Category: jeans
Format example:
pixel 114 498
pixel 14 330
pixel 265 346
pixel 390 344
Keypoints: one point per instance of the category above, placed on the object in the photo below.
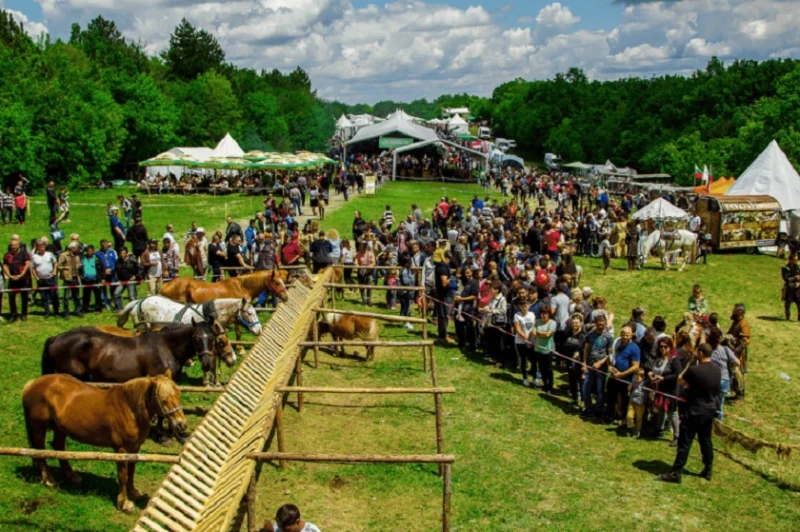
pixel 545 361
pixel 594 382
pixel 23 295
pixel 366 294
pixel 724 388
pixel 615 390
pixel 49 297
pixel 87 294
pixel 119 289
pixel 71 291
pixel 441 317
pixel 296 206
pixel 526 354
pixel 575 385
pixel 405 303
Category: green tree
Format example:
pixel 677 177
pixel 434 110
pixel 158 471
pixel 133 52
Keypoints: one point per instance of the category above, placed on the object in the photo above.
pixel 191 52
pixel 209 110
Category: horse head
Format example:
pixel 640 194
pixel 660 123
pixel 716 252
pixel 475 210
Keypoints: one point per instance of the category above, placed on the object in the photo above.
pixel 165 398
pixel 277 286
pixel 248 317
pixel 222 343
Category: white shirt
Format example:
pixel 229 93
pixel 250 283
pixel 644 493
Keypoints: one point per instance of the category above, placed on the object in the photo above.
pixel 308 528
pixel 172 241
pixel 44 264
pixel 155 261
pixel 526 322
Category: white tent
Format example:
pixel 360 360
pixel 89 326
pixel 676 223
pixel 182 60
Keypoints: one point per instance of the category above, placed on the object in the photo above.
pixel 456 111
pixel 228 147
pixel 660 209
pixel 201 154
pixel 457 125
pixel 345 128
pixel 771 174
pixel 395 125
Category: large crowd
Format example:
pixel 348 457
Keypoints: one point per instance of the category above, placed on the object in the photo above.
pixel 502 270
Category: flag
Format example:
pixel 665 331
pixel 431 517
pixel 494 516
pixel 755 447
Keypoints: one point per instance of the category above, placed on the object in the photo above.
pixel 610 167
pixel 698 174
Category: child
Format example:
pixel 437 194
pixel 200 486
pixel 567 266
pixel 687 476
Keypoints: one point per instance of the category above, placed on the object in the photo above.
pixel 605 251
pixel 388 217
pixel 391 295
pixel 636 403
pixel 287 519
pixel 698 304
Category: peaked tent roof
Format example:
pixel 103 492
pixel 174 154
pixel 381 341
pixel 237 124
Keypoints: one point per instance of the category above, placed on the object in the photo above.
pixel 660 209
pixel 770 174
pixel 457 121
pixel 343 122
pixel 228 147
pixel 201 154
pixel 395 124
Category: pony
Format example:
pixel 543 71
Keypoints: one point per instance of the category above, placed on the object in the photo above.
pixel 347 327
pixel 187 290
pixel 680 240
pixel 118 417
pixel 160 310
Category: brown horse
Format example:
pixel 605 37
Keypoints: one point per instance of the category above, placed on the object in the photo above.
pixel 89 354
pixel 118 418
pixel 187 290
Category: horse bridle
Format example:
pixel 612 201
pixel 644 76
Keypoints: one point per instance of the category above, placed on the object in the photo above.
pixel 161 412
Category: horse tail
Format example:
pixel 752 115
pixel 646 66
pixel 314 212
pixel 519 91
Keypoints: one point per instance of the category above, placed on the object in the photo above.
pixel 47 361
pixel 122 317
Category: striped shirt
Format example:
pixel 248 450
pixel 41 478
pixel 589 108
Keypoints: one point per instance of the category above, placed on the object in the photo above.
pixel 388 217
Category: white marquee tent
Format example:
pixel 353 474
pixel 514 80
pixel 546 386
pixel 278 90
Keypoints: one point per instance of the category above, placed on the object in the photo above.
pixel 660 209
pixel 395 125
pixel 771 174
pixel 345 129
pixel 458 125
pixel 228 147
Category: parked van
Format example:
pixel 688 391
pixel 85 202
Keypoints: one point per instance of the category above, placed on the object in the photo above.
pixel 502 144
pixel 484 133
pixel 512 143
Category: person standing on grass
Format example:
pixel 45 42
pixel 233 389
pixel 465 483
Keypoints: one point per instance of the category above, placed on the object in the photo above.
pixel 17 266
pixel 723 356
pixel 740 330
pixel 7 205
pixel 493 319
pixel 468 302
pixel 151 263
pixel 701 382
pixel 171 263
pixel 117 229
pixel 442 274
pixel 573 344
pixel 365 257
pixel 127 209
pixel 626 362
pixel 196 254
pixel 69 269
pixel 596 352
pixel 137 236
pixel 791 287
pixel 524 338
pixel 321 250
pixel 21 206
pixel 109 258
pixel 544 332
pixel 52 199
pixel 93 271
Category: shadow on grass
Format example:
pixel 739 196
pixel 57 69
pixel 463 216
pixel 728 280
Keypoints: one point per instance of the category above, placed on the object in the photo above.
pixel 761 473
pixel 770 318
pixel 654 467
pixel 105 485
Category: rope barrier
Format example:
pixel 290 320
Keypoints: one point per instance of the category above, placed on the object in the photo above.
pixel 92 285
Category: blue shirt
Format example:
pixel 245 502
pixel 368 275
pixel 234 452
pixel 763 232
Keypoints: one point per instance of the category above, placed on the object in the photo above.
pixel 116 223
pixel 627 356
pixel 109 258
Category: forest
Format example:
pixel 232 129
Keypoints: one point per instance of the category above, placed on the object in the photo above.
pixel 95 105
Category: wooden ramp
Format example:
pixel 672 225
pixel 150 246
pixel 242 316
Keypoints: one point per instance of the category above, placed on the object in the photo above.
pixel 204 490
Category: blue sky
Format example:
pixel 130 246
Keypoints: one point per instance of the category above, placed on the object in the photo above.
pixel 358 51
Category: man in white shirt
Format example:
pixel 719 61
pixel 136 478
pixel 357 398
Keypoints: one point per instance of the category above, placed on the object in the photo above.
pixel 43 269
pixel 172 241
pixel 695 223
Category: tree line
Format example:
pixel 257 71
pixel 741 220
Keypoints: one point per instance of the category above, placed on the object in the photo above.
pixel 94 106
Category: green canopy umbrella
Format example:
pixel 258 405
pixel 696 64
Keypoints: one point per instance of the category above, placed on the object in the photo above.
pixel 224 163
pixel 467 136
pixel 255 155
pixel 170 159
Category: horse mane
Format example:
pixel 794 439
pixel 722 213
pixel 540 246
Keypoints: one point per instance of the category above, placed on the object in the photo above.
pixel 136 392
pixel 255 281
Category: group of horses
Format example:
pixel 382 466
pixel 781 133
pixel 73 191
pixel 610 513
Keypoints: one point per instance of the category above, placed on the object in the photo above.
pixel 187 321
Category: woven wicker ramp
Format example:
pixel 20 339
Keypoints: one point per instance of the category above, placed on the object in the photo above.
pixel 204 490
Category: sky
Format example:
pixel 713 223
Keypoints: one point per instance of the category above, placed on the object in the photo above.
pixel 362 51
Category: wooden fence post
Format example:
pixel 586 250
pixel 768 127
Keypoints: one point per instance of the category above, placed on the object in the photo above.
pixel 446 496
pixel 299 380
pixel 279 423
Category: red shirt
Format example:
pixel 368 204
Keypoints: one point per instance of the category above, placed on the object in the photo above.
pixel 291 252
pixel 444 207
pixel 552 238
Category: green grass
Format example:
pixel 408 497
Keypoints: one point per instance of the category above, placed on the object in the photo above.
pixel 523 461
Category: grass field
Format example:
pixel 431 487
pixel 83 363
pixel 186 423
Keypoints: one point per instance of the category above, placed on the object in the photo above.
pixel 524 461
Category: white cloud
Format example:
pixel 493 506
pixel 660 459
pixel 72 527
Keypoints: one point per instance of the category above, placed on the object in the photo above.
pixel 34 29
pixel 407 49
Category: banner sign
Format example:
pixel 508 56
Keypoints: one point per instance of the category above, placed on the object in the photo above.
pixel 391 143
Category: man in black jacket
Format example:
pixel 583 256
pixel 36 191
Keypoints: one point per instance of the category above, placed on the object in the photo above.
pixel 137 237
pixel 321 250
pixel 534 238
pixel 52 198
pixel 701 382
pixel 233 229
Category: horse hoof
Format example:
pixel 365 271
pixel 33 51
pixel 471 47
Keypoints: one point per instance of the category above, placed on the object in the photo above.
pixel 126 507
pixel 50 482
pixel 166 441
pixel 134 495
pixel 74 479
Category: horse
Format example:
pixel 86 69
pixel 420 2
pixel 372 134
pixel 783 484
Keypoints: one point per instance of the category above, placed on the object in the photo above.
pixel 160 310
pixel 187 290
pixel 118 417
pixel 680 240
